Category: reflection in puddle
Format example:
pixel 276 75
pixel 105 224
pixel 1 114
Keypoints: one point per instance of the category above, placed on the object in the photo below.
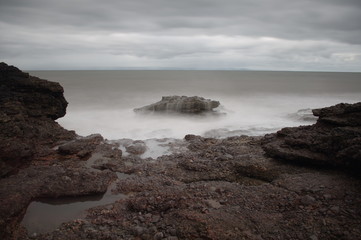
pixel 45 215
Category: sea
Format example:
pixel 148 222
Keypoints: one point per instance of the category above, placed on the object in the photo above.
pixel 253 103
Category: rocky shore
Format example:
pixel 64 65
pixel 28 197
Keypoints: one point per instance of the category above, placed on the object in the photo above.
pixel 299 183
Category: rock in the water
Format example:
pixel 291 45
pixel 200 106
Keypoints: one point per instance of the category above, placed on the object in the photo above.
pixel 28 108
pixel 136 148
pixel 335 139
pixel 181 104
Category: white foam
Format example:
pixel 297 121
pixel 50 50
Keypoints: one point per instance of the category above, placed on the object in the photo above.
pixel 251 115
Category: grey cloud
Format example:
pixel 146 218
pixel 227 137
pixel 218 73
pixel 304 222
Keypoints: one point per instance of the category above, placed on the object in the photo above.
pixel 170 29
pixel 303 19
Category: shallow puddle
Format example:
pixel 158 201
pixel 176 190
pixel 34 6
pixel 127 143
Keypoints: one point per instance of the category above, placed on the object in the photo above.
pixel 154 147
pixel 45 215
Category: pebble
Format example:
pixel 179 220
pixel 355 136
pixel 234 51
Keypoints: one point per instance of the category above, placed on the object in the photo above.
pixel 139 230
pixel 158 235
pixel 172 238
pixel 155 219
pixel 172 232
pixel 335 209
pixel 313 237
pixel 307 200
pixel 327 196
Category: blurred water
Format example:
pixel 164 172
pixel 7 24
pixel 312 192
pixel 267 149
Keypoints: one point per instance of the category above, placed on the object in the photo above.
pixel 254 102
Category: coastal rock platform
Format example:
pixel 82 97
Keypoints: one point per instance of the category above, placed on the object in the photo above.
pixel 239 187
pixel 335 140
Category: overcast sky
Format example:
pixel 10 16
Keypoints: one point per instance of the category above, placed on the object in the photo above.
pixel 310 35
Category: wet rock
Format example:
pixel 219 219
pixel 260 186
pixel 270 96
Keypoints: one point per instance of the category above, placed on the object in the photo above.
pixel 217 189
pixel 81 146
pixel 335 140
pixel 181 104
pixel 136 148
pixel 17 191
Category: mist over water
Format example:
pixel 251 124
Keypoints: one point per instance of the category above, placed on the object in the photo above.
pixel 253 103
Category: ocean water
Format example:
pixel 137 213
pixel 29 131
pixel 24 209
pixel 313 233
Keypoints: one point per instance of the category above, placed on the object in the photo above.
pixel 252 102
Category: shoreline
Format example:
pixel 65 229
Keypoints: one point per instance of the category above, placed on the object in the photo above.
pixel 299 183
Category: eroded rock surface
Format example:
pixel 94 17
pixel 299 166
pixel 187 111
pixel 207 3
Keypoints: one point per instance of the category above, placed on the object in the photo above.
pixel 28 108
pixel 335 140
pixel 222 189
pixel 181 104
pixel 214 189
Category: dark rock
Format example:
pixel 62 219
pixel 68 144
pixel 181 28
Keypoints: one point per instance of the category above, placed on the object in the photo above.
pixel 17 191
pixel 190 137
pixel 181 104
pixel 158 235
pixel 335 140
pixel 23 94
pixel 28 107
pixel 81 146
pixel 218 189
pixel 307 200
pixel 136 148
pixel 342 114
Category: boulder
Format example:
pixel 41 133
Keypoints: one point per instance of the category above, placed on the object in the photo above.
pixel 136 148
pixel 335 140
pixel 28 108
pixel 181 104
pixel 22 94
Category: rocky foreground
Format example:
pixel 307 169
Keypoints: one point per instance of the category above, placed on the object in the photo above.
pixel 299 183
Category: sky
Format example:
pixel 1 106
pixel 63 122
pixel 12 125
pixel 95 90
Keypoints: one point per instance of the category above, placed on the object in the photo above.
pixel 302 35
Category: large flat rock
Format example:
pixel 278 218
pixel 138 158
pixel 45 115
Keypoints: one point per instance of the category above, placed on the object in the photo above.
pixel 181 104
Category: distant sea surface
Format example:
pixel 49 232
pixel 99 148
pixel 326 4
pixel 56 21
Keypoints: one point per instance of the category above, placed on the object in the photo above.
pixel 252 102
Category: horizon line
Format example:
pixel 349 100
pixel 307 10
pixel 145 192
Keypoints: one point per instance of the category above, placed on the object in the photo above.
pixel 195 69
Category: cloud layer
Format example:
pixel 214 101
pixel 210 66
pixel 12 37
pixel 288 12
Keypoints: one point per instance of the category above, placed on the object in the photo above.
pixel 322 35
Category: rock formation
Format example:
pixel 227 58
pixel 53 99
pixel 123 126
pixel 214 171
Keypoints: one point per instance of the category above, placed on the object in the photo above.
pixel 28 108
pixel 335 140
pixel 214 189
pixel 181 104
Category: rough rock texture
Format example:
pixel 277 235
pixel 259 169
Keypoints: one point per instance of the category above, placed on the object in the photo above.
pixel 58 175
pixel 35 182
pixel 181 104
pixel 216 189
pixel 335 140
pixel 221 189
pixel 136 148
pixel 82 146
pixel 28 108
pixel 27 95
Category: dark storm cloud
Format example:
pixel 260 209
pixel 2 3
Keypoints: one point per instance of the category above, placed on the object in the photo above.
pixel 161 29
